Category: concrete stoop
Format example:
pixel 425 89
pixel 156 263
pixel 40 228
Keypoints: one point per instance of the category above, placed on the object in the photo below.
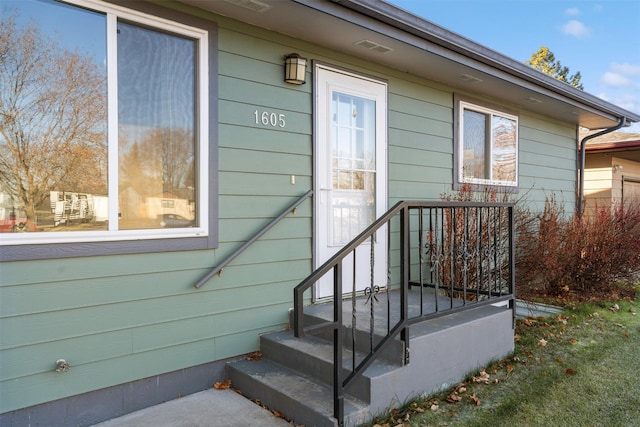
pixel 294 375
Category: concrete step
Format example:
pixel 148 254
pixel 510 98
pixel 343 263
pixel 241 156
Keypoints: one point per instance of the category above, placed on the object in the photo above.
pixel 314 357
pixel 293 394
pixel 364 340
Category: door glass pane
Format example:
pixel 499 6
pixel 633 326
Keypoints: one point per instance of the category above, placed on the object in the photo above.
pixel 504 149
pixel 53 144
pixel 156 129
pixel 474 147
pixel 353 166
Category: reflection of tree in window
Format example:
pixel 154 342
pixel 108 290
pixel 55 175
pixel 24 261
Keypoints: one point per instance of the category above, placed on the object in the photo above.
pixel 52 114
pixel 504 149
pixel 156 98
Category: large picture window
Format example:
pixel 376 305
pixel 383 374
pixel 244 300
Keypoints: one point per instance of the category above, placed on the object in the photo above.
pixel 486 145
pixel 104 125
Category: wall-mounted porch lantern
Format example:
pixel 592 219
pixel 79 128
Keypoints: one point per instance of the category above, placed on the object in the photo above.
pixel 295 68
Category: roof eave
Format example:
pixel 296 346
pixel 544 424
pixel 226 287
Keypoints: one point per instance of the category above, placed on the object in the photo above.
pixel 410 23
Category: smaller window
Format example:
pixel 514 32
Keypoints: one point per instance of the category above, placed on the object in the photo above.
pixel 486 145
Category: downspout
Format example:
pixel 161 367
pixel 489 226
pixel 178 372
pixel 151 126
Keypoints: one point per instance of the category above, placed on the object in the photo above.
pixel 583 150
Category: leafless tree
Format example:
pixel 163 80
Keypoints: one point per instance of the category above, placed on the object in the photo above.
pixel 52 116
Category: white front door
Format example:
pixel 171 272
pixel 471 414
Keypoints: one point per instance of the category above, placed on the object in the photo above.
pixel 350 173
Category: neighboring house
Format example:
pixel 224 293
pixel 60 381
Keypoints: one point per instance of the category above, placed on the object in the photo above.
pixel 413 110
pixel 612 170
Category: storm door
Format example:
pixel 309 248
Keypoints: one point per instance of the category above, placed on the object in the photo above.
pixel 350 173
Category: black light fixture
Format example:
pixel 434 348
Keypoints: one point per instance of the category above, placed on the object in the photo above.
pixel 295 68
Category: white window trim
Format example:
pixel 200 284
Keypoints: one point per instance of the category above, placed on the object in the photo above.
pixel 465 105
pixel 113 12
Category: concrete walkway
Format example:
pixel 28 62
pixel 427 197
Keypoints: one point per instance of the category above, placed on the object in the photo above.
pixel 220 408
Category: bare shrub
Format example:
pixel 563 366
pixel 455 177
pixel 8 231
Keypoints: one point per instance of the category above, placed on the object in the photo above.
pixel 581 256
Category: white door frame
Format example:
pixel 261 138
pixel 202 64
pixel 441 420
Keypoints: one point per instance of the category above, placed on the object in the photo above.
pixel 327 80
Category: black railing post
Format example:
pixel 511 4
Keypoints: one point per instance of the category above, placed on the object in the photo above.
pixel 404 274
pixel 338 387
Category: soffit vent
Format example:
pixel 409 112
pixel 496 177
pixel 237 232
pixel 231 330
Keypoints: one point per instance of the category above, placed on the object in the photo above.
pixel 469 78
pixel 376 47
pixel 255 5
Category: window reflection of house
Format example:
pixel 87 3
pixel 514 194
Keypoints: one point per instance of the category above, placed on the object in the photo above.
pixel 170 203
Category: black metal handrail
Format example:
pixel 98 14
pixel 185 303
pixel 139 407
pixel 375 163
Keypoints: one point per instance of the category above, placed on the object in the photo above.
pixel 463 252
pixel 249 242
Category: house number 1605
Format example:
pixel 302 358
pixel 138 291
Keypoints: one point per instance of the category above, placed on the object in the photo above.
pixel 269 119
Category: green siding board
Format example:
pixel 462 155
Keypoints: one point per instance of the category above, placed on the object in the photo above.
pixel 250 161
pixel 275 250
pixel 235 276
pixel 40 358
pixel 273 317
pixel 551 150
pixel 233 345
pixel 265 206
pixel 250 184
pixel 529 158
pixel 418 141
pixel 424 190
pixel 256 95
pixel 64 295
pixel 411 156
pixel 257 139
pixel 241 230
pixel 70 323
pixel 40 388
pixel 419 107
pixel 415 88
pixel 409 174
pixel 421 124
pixel 547 126
pixel 55 270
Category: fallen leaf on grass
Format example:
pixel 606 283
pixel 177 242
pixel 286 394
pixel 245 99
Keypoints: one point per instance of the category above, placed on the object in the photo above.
pixel 614 307
pixel 483 377
pixel 542 342
pixel 476 400
pixel 222 385
pixel 434 407
pixel 569 371
pixel 573 342
pixel 453 398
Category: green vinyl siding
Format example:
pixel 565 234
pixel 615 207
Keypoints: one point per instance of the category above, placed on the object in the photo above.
pixel 121 318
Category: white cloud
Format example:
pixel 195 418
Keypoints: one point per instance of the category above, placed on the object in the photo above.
pixel 615 80
pixel 576 28
pixel 572 11
pixel 626 69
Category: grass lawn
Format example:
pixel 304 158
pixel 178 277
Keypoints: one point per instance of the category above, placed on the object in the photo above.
pixel 579 368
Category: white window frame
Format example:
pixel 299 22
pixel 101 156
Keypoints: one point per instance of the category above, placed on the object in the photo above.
pixel 462 105
pixel 113 13
pixel 32 246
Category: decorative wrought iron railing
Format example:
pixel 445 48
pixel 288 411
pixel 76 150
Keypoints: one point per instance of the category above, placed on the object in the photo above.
pixel 459 256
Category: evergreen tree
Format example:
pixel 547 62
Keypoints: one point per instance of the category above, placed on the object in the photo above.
pixel 545 61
